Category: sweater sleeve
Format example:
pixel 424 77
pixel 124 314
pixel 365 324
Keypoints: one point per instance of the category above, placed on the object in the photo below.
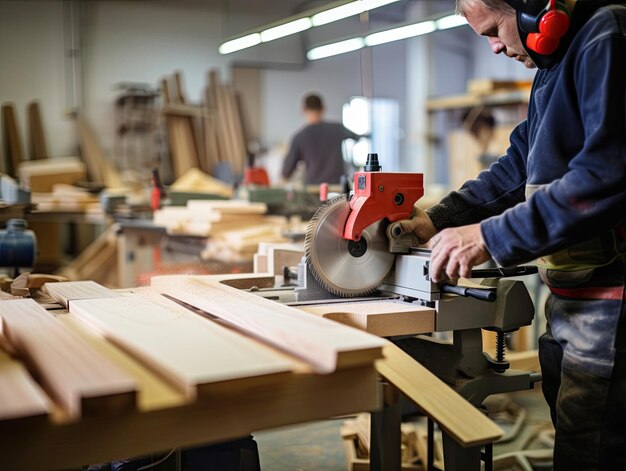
pixel 590 198
pixel 492 192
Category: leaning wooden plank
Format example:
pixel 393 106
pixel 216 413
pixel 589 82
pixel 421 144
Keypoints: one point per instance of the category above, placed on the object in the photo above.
pixel 36 137
pixel 182 144
pixel 465 423
pixel 68 291
pixel 184 348
pixel 14 153
pixel 20 396
pixel 325 345
pixel 382 318
pixel 100 170
pixel 82 381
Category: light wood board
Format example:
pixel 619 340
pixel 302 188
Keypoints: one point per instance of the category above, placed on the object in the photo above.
pixel 382 318
pixel 186 349
pixel 437 400
pixel 82 381
pixel 74 290
pixel 20 396
pixel 325 345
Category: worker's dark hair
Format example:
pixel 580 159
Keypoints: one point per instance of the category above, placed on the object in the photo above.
pixel 499 6
pixel 313 102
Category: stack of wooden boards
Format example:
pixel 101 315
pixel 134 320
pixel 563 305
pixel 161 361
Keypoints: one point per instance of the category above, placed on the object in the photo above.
pixel 66 198
pixel 235 227
pixel 125 374
pixel 355 435
pixel 206 135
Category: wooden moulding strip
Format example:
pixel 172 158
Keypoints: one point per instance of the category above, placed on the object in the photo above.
pixel 382 318
pixel 75 290
pixel 20 396
pixel 81 380
pixel 12 140
pixel 465 423
pixel 324 345
pixel 36 136
pixel 183 348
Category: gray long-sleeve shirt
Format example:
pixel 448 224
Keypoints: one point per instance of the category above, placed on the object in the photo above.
pixel 319 147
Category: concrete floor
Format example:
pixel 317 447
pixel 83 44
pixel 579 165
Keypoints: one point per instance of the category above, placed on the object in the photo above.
pixel 317 446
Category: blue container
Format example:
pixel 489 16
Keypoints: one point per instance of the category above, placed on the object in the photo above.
pixel 18 245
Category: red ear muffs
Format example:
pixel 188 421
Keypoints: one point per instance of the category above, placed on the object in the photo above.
pixel 552 27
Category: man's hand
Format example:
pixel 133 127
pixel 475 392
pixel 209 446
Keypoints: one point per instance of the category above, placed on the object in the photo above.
pixel 420 225
pixel 455 251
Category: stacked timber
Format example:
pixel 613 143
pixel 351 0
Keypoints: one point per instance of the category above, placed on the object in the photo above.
pixel 209 136
pixel 205 218
pixel 66 198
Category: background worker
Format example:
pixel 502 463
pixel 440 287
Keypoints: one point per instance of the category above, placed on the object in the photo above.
pixel 318 145
pixel 559 196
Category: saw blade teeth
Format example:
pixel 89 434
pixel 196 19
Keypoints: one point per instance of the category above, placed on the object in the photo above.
pixel 312 257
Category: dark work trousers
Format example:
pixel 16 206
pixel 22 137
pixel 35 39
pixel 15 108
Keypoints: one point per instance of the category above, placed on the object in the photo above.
pixel 583 363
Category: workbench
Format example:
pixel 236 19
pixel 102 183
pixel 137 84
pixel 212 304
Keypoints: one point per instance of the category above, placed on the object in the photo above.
pixel 165 417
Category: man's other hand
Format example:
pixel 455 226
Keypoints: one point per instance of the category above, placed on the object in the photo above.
pixel 420 225
pixel 455 251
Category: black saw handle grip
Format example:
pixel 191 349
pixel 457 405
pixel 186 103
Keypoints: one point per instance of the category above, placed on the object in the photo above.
pixel 478 293
pixel 522 270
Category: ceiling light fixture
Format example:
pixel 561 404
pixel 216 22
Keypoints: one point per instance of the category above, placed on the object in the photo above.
pixel 334 49
pixel 301 22
pixel 393 34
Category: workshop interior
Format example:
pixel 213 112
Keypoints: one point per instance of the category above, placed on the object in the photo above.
pixel 183 287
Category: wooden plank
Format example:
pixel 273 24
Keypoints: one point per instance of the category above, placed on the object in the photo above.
pixel 182 144
pixel 223 139
pixel 20 396
pixel 38 148
pixel 82 381
pixel 382 318
pixel 236 128
pixel 65 292
pixel 99 168
pixel 186 349
pixel 13 150
pixel 325 345
pixel 212 419
pixel 227 207
pixel 437 400
pixel 247 83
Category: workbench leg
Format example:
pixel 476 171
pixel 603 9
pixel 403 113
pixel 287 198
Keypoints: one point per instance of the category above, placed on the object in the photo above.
pixel 458 458
pixel 385 434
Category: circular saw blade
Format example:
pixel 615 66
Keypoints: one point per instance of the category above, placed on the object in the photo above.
pixel 342 267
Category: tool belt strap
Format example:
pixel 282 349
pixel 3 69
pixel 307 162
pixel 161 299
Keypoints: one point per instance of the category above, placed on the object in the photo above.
pixel 616 293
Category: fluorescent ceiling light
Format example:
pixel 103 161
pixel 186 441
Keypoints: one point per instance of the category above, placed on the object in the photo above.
pixel 335 48
pixel 389 35
pixel 303 23
pixel 403 32
pixel 450 21
pixel 338 13
pixel 240 43
pixel 281 31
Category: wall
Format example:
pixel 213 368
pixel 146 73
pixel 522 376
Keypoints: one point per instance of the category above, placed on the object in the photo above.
pixel 32 68
pixel 141 41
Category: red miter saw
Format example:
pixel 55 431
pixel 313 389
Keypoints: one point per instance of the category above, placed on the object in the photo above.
pixel 347 247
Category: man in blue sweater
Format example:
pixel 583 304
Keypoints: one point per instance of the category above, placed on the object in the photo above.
pixel 557 196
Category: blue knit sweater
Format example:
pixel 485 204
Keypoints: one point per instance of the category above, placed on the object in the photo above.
pixel 562 182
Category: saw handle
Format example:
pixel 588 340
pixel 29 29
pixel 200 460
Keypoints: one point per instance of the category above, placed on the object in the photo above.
pixel 478 293
pixel 504 272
